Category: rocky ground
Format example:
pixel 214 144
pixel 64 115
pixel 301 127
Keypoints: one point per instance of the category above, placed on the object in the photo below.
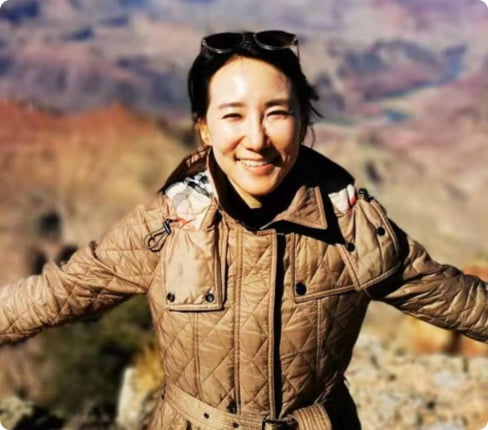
pixel 431 392
pixel 393 390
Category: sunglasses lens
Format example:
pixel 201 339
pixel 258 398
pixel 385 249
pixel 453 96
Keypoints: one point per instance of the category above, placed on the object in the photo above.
pixel 275 38
pixel 223 42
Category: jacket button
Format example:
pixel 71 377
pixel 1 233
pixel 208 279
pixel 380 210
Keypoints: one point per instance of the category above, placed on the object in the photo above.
pixel 300 288
pixel 210 298
pixel 170 297
pixel 350 247
pixel 232 408
pixel 380 231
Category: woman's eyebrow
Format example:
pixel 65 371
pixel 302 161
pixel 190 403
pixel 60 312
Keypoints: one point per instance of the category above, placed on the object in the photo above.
pixel 274 102
pixel 278 102
pixel 230 104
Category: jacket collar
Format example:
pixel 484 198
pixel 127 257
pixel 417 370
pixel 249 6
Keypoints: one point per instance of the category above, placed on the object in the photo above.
pixel 307 207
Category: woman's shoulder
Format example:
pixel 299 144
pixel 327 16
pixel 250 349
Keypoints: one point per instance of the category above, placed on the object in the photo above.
pixel 335 182
pixel 188 194
pixel 191 165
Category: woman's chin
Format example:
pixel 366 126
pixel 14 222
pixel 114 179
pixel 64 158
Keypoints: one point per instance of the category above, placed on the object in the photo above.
pixel 259 189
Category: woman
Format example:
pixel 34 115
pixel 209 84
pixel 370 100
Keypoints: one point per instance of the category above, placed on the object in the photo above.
pixel 258 257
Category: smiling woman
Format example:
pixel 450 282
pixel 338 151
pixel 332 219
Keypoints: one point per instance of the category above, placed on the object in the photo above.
pixel 259 258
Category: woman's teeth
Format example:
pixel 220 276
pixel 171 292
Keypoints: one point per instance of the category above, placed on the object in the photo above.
pixel 254 163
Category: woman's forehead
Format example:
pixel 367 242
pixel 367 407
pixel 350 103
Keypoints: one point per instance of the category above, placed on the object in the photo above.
pixel 248 79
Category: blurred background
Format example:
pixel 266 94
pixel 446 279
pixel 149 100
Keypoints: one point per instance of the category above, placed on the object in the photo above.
pixel 94 116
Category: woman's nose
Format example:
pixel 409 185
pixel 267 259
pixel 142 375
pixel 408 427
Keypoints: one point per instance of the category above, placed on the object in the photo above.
pixel 256 135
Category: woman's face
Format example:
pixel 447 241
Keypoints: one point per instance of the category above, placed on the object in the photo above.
pixel 253 125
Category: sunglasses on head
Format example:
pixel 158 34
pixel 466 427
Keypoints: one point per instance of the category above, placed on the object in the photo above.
pixel 271 40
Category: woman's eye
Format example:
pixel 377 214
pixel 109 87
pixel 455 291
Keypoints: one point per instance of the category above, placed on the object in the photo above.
pixel 231 115
pixel 281 113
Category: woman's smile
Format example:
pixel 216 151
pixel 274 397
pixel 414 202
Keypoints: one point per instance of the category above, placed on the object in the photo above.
pixel 259 166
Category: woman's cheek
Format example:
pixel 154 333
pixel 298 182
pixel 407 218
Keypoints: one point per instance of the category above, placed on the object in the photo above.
pixel 232 133
pixel 287 133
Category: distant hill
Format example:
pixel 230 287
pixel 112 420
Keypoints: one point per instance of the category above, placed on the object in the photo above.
pixel 429 170
pixel 89 169
pixel 403 78
pixel 74 55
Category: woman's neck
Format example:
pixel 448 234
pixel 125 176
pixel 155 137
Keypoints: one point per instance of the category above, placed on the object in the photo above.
pixel 252 211
pixel 251 201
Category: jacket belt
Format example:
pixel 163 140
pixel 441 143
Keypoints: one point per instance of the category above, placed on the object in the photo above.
pixel 312 417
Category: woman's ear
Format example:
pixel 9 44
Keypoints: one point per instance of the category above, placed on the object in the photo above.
pixel 203 132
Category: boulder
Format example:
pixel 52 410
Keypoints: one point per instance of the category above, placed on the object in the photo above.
pixel 395 389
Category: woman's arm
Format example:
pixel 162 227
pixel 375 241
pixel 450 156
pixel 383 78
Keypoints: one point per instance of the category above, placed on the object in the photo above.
pixel 96 278
pixel 436 293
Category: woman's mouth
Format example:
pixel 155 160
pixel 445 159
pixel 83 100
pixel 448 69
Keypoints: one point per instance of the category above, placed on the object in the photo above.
pixel 255 163
pixel 260 167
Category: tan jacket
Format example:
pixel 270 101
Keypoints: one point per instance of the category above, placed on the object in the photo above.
pixel 256 323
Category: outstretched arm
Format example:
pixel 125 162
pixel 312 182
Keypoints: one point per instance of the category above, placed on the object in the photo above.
pixel 436 293
pixel 96 278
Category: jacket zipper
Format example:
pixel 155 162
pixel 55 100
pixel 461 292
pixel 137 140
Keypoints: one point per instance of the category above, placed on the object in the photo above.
pixel 277 321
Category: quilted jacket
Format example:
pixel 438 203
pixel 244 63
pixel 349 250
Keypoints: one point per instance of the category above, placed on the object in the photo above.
pixel 259 321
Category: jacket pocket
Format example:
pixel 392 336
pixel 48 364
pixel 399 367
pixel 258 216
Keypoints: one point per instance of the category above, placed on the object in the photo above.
pixel 192 270
pixel 318 270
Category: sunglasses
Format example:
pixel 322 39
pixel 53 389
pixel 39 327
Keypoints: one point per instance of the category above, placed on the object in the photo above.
pixel 271 40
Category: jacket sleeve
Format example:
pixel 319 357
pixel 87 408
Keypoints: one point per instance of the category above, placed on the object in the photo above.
pixel 436 293
pixel 96 278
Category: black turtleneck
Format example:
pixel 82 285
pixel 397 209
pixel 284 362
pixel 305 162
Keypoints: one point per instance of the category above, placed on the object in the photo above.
pixel 272 204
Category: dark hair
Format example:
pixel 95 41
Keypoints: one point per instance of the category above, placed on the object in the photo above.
pixel 207 63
